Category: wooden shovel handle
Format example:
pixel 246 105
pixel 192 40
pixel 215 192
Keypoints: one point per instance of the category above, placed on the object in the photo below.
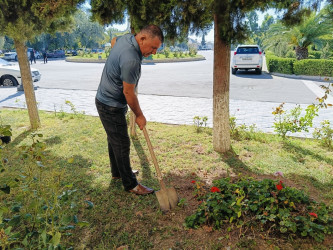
pixel 159 174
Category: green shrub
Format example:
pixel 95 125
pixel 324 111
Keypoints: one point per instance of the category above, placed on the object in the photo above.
pixel 280 65
pixel 292 121
pixel 167 52
pixel 314 67
pixel 291 54
pixel 324 134
pixel 192 50
pixel 315 54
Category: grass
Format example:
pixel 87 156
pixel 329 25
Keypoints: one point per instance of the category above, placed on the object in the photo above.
pixel 76 156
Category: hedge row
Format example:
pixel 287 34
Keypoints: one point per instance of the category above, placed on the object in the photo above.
pixel 280 65
pixel 314 67
pixel 311 67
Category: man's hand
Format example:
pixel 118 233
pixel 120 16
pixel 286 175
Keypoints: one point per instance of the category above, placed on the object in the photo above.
pixel 141 121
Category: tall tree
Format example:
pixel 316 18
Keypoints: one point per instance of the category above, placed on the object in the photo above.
pixel 22 20
pixel 178 18
pixel 310 32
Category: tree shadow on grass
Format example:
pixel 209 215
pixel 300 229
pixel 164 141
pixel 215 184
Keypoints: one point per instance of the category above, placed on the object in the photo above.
pixel 53 140
pixel 21 137
pixel 233 161
pixel 301 152
pixel 144 161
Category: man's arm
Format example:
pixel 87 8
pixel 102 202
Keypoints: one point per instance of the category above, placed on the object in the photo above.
pixel 133 102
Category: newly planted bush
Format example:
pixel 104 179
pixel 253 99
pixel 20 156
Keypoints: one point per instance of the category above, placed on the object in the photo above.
pixel 268 204
pixel 199 122
pixel 292 121
pixel 324 134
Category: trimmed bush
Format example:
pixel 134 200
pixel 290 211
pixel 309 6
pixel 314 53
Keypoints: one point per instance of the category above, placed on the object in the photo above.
pixel 280 65
pixel 315 54
pixel 314 67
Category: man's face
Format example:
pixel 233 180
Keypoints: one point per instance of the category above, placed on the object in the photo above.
pixel 149 45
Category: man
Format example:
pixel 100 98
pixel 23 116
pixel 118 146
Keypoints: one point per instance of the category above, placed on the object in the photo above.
pixel 32 56
pixel 44 56
pixel 116 90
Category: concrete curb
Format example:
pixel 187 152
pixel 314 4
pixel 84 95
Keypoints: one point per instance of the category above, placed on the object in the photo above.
pixel 304 77
pixel 171 60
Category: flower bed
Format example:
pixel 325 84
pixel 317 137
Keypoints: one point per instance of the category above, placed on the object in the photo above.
pixel 267 204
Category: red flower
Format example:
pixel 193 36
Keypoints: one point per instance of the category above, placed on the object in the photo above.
pixel 193 182
pixel 313 214
pixel 279 187
pixel 215 190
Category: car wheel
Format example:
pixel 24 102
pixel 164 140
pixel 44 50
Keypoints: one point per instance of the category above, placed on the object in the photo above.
pixel 9 81
pixel 258 71
pixel 233 71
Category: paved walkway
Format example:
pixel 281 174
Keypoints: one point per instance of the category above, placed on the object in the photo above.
pixel 164 109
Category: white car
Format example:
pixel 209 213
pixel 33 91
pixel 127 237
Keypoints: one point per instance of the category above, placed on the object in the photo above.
pixel 12 55
pixel 10 74
pixel 247 57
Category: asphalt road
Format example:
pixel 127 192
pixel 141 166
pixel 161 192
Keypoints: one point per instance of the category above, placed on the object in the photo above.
pixel 187 79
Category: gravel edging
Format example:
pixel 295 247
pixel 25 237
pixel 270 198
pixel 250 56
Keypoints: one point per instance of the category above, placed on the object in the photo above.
pixel 171 60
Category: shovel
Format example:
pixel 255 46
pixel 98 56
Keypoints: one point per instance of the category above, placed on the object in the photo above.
pixel 167 197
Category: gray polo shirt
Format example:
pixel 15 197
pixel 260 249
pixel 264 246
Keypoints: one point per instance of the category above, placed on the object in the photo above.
pixel 123 64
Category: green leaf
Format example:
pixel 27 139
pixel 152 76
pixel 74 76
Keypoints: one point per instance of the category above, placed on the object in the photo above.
pixel 56 239
pixel 25 241
pixel 43 235
pixel 90 204
pixel 304 233
pixel 7 230
pixel 75 219
pixel 83 224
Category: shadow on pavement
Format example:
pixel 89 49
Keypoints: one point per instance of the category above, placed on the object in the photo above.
pixel 252 74
pixel 17 94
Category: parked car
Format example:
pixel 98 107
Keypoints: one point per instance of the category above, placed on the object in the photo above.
pixel 247 57
pixel 10 74
pixel 12 55
pixel 56 54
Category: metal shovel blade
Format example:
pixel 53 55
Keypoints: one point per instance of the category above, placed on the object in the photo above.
pixel 167 198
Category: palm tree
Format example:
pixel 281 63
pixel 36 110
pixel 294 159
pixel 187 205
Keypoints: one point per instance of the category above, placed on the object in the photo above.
pixel 309 32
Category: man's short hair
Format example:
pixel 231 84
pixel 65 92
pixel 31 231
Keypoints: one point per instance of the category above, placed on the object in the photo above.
pixel 153 31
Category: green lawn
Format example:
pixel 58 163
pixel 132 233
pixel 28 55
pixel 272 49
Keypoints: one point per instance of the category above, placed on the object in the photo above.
pixel 60 185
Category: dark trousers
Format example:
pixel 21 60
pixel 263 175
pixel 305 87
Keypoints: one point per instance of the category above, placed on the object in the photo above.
pixel 115 125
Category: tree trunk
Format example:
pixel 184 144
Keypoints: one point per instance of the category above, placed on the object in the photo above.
pixel 301 53
pixel 221 79
pixel 29 92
